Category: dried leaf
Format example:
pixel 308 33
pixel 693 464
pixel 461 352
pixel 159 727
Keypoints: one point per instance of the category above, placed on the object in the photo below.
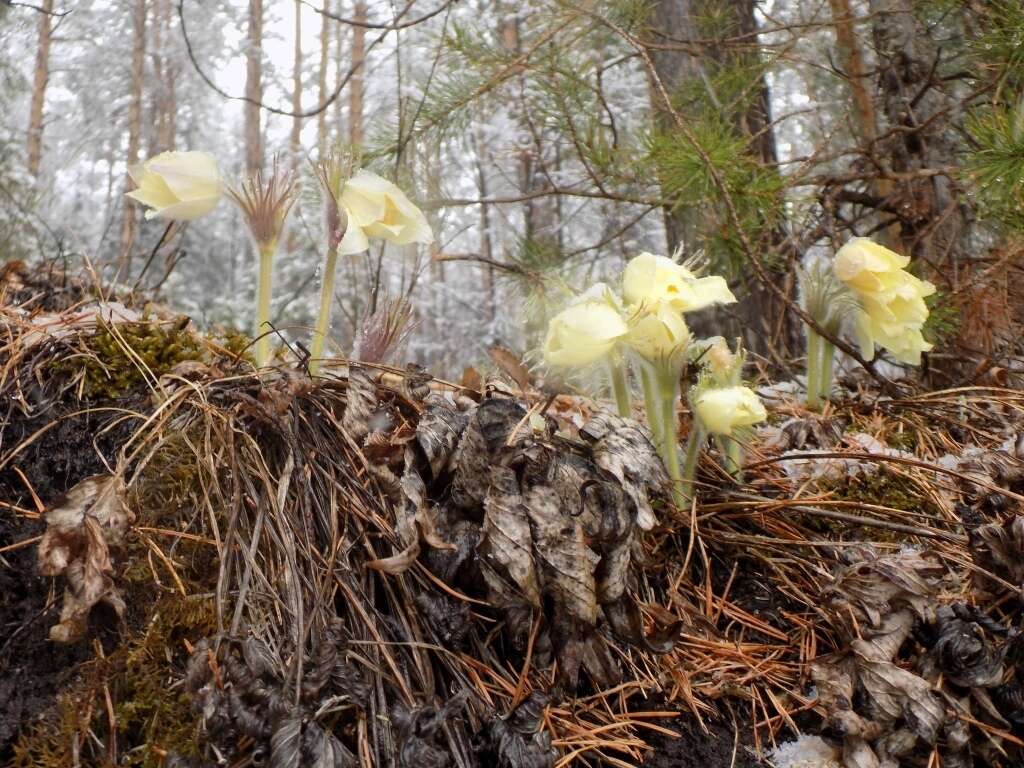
pixel 92 518
pixel 623 448
pixel 490 427
pixel 518 741
pixel 882 583
pixel 964 654
pixel 512 365
pixel 361 401
pixel 507 544
pixel 567 562
pixel 438 433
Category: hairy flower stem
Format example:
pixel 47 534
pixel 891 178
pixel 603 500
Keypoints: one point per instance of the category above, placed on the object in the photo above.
pixel 693 445
pixel 652 402
pixel 828 353
pixel 323 319
pixel 814 343
pixel 617 374
pixel 668 390
pixel 263 329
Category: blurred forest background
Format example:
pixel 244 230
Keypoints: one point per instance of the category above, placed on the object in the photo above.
pixel 547 141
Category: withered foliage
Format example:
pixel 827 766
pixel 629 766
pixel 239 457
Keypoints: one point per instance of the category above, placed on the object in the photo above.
pixel 81 531
pixel 404 573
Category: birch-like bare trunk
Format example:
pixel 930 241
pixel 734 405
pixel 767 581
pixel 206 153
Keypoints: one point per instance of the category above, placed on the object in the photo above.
pixel 254 89
pixel 296 136
pixel 39 81
pixel 130 218
pixel 355 85
pixel 325 44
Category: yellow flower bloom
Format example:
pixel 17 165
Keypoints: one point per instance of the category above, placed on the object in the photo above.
pixel 892 310
pixel 657 334
pixel 651 280
pixel 585 331
pixel 378 208
pixel 722 410
pixel 178 186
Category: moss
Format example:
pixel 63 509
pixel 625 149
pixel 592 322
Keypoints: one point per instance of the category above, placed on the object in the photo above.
pixel 114 359
pixel 238 344
pixel 151 716
pixel 881 488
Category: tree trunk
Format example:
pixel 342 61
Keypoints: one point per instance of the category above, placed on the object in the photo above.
pixel 254 89
pixel 39 81
pixel 682 55
pixel 355 85
pixel 325 44
pixel 296 137
pixel 486 241
pixel 932 222
pixel 339 73
pixel 128 225
pixel 166 75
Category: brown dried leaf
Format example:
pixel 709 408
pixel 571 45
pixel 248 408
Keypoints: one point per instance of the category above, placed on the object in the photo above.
pixel 92 518
pixel 507 544
pixel 895 693
pixel 623 448
pixel 512 365
pixel 568 564
pixel 879 584
pixel 361 401
pixel 438 433
pixel 490 427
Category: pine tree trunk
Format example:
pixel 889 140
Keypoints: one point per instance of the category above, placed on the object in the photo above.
pixel 39 81
pixel 325 44
pixel 296 137
pixel 932 222
pixel 128 225
pixel 486 241
pixel 254 89
pixel 693 59
pixel 355 85
pixel 339 73
pixel 165 109
pixel 851 58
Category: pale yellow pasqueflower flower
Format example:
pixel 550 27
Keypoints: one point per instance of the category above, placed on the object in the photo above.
pixel 585 331
pixel 376 208
pixel 651 280
pixel 892 310
pixel 723 409
pixel 658 333
pixel 178 186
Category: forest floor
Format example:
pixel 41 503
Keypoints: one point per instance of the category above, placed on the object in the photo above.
pixel 202 565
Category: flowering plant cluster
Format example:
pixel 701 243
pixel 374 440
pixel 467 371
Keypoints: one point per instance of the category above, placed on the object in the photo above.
pixel 359 206
pixel 644 329
pixel 868 287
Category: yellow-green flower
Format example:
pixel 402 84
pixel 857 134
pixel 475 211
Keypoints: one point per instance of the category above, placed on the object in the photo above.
pixel 377 208
pixel 892 310
pixel 723 409
pixel 178 186
pixel 585 331
pixel 657 334
pixel 651 281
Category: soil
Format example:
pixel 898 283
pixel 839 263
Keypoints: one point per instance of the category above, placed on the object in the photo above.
pixel 33 669
pixel 715 748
